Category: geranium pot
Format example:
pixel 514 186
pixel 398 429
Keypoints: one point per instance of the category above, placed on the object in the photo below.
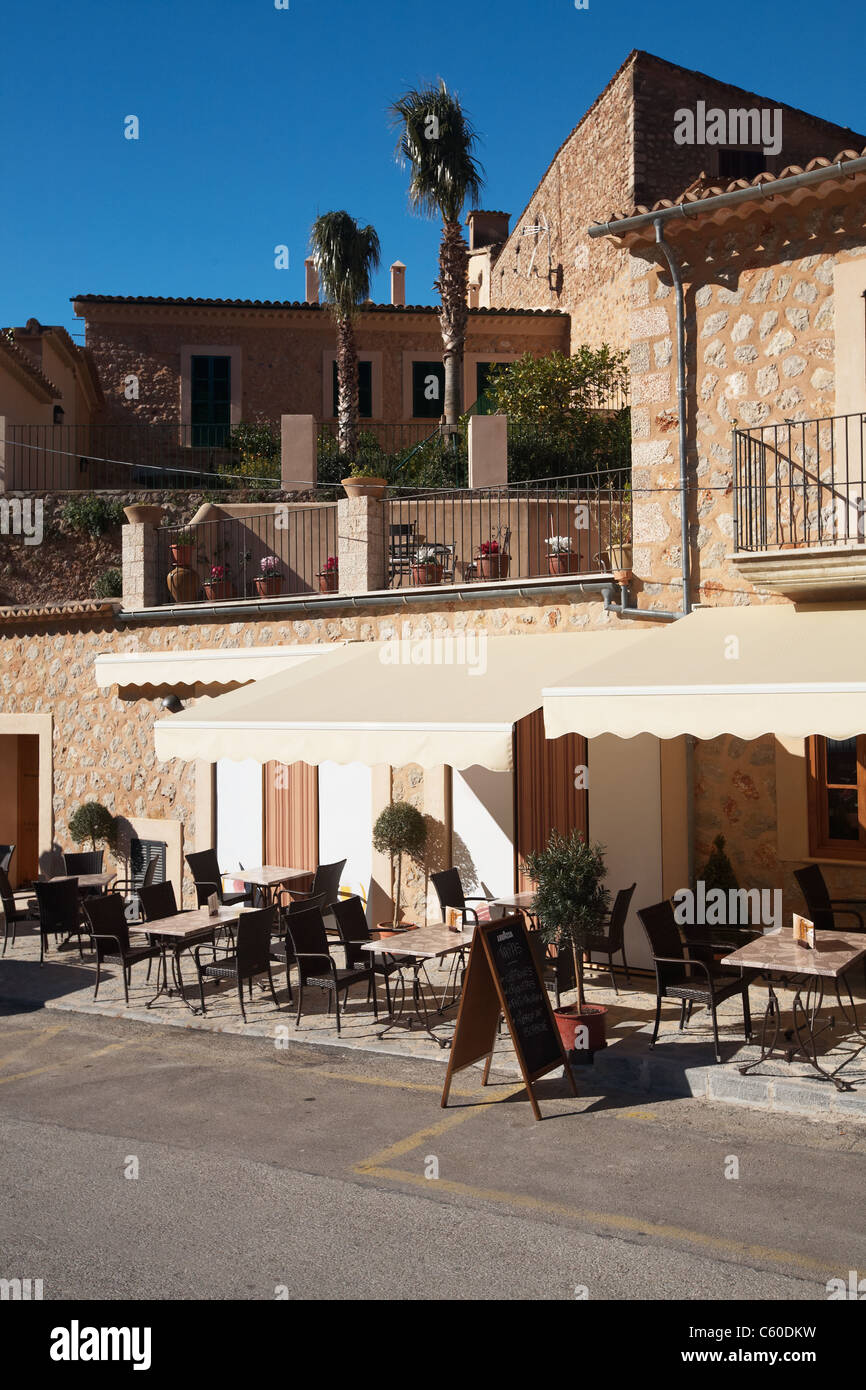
pixel 494 566
pixel 388 928
pixel 571 1017
pixel 144 514
pixel 364 487
pixel 267 585
pixel 563 562
pixel 219 588
pixel 183 584
pixel 427 574
pixel 183 554
pixel 329 581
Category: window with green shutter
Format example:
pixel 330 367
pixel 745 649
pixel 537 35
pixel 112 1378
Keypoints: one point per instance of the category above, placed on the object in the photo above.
pixel 428 390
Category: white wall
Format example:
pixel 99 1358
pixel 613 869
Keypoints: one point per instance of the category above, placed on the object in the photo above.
pixel 625 817
pixel 239 815
pixel 346 821
pixel 483 829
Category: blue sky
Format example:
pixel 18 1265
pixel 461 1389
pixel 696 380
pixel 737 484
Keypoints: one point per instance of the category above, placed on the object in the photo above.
pixel 254 120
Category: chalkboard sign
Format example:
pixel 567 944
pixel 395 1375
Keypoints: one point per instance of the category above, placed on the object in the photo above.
pixel 502 977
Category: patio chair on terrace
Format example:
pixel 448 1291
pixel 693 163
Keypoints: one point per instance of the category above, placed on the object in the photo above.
pixel 111 940
pixel 316 965
pixel 251 956
pixel 88 862
pixel 12 910
pixel 205 870
pixel 281 946
pixel 449 891
pixel 682 976
pixel 6 853
pixel 352 926
pixel 59 912
pixel 401 550
pixel 326 885
pixel 822 909
pixel 613 942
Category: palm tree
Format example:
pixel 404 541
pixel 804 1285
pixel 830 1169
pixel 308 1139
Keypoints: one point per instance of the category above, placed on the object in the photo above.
pixel 345 256
pixel 437 140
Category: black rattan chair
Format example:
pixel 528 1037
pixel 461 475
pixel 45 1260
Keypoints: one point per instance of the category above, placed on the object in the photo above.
pixel 205 870
pixel 88 862
pixel 281 946
pixel 59 912
pixel 251 956
pixel 129 886
pixel 12 913
pixel 111 941
pixel 822 909
pixel 613 942
pixel 6 853
pixel 681 976
pixel 326 884
pixel 352 925
pixel 557 971
pixel 316 965
pixel 449 891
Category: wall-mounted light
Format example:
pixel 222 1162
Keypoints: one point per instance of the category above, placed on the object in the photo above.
pixel 171 704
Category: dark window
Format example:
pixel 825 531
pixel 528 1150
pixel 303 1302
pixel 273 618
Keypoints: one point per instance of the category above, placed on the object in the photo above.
pixel 365 390
pixel 428 390
pixel 741 164
pixel 837 797
pixel 211 401
pixel 482 381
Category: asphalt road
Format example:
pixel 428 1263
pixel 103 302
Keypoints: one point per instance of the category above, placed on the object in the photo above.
pixel 314 1171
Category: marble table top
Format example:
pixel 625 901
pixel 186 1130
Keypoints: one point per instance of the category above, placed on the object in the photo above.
pixel 522 900
pixel 437 939
pixel 184 924
pixel 268 875
pixel 86 880
pixel 833 954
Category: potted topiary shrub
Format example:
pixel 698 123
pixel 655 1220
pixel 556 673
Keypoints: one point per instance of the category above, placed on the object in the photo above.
pixel 93 824
pixel 329 576
pixel 270 581
pixel 363 482
pixel 571 904
pixel 561 558
pixel 400 829
pixel 427 567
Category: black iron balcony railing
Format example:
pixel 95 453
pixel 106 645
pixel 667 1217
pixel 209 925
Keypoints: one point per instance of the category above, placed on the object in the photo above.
pixel 801 483
pixel 553 526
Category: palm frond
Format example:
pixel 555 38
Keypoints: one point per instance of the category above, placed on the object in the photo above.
pixel 345 256
pixel 437 141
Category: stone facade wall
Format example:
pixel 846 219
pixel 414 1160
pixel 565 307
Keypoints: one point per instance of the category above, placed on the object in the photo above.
pixel 759 296
pixel 623 153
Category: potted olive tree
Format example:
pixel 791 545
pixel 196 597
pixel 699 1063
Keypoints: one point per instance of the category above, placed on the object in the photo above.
pixel 571 904
pixel 400 829
pixel 93 824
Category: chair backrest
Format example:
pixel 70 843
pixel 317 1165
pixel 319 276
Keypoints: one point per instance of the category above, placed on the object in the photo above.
pixel 352 925
pixel 449 889
pixel 327 881
pixel 157 901
pixel 88 862
pixel 303 903
pixel 150 871
pixel 205 869
pixel 307 933
pixel 660 925
pixel 619 913
pixel 107 917
pixel 814 889
pixel 59 905
pixel 7 897
pixel 253 946
pixel 6 853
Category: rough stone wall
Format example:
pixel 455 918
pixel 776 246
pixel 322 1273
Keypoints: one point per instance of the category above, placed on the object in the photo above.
pixel 281 355
pixel 760 349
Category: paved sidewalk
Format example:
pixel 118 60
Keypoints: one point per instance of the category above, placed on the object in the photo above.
pixel 681 1064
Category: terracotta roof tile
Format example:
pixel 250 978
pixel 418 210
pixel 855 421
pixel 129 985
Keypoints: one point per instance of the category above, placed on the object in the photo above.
pixel 296 304
pixel 58 612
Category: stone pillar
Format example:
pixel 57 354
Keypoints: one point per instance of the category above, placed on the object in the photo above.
pixel 488 450
pixel 361 544
pixel 2 453
pixel 141 586
pixel 299 460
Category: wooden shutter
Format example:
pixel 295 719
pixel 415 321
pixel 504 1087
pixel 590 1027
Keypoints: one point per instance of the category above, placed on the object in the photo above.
pixel 27 852
pixel 292 815
pixel 545 795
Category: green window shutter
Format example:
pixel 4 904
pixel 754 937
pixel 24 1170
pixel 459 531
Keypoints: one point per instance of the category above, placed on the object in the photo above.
pixel 428 390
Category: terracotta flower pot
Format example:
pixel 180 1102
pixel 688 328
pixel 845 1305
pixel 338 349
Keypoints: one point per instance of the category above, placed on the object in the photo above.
pixel 591 1016
pixel 387 928
pixel 183 584
pixel 267 585
pixel 329 581
pixel 144 514
pixel 364 487
pixel 494 566
pixel 427 574
pixel 219 588
pixel 563 562
pixel 183 554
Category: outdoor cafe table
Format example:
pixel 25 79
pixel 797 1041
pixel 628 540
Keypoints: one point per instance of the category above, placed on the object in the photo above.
pixel 417 946
pixel 805 970
pixel 176 932
pixel 267 877
pixel 86 882
pixel 522 902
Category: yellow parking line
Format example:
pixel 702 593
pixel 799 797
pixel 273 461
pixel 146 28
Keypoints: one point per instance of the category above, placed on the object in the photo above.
pixel 36 1038
pixel 75 1061
pixel 484 1100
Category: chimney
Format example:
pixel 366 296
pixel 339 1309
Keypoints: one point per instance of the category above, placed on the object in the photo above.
pixel 311 292
pixel 398 284
pixel 487 228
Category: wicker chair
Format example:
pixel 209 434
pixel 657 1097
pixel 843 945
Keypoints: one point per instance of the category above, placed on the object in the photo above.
pixel 111 941
pixel 613 942
pixel 251 956
pixel 316 965
pixel 12 913
pixel 681 976
pixel 822 909
pixel 352 926
pixel 208 879
pixel 88 862
pixel 6 853
pixel 59 912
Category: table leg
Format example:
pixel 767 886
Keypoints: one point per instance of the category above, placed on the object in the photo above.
pixel 410 1020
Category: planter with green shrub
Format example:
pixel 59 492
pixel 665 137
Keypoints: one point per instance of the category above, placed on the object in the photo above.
pixel 400 829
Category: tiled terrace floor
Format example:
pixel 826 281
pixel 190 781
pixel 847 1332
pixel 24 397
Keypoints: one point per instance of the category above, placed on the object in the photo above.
pixel 680 1064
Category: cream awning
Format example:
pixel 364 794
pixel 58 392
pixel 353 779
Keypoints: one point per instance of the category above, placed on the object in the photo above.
pixel 447 699
pixel 744 671
pixel 208 666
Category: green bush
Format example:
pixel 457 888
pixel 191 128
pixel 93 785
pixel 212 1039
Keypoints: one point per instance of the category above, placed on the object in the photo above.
pixel 93 822
pixel 92 515
pixel 571 901
pixel 109 585
pixel 400 829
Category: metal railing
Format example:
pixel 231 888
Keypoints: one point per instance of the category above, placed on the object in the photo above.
pixel 800 483
pixel 551 526
pixel 143 456
pixel 284 551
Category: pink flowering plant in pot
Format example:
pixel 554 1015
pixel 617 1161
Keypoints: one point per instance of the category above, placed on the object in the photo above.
pixel 219 585
pixel 329 576
pixel 270 580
